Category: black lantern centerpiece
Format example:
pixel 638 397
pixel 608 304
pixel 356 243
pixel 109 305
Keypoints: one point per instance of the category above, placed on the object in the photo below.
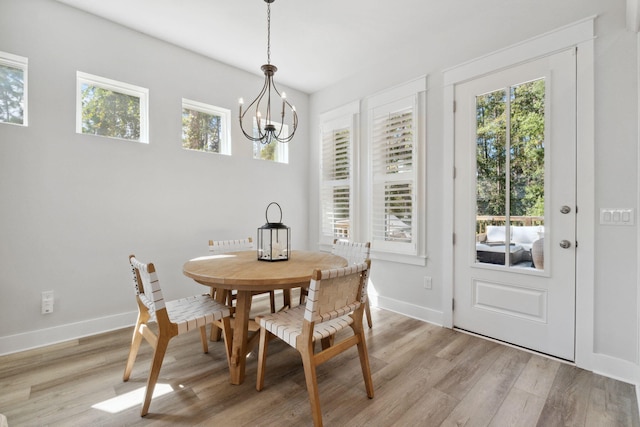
pixel 274 239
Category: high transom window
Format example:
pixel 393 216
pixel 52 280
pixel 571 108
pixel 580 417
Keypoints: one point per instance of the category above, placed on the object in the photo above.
pixel 13 89
pixel 205 127
pixel 112 109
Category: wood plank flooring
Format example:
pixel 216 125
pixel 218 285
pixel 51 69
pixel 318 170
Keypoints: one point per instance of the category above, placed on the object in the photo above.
pixel 423 375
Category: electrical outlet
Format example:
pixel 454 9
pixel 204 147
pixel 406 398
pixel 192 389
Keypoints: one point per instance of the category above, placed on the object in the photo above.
pixel 427 282
pixel 47 302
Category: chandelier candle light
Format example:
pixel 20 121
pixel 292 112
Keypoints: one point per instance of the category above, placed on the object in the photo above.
pixel 266 130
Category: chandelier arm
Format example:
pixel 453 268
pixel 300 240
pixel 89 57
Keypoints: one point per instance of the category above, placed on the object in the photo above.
pixel 277 135
pixel 256 102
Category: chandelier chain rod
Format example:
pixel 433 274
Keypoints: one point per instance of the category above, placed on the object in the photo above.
pixel 268 33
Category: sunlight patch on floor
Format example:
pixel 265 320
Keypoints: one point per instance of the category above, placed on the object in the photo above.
pixel 130 399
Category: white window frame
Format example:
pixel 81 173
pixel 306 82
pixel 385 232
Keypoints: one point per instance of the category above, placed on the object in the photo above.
pixel 409 95
pixel 225 114
pixel 343 118
pixel 21 63
pixel 119 87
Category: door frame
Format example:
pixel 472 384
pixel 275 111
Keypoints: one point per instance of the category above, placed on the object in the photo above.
pixel 580 34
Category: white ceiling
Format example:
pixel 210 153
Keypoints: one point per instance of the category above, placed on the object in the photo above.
pixel 313 43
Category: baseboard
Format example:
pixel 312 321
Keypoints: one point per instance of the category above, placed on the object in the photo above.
pixel 618 369
pixel 43 337
pixel 407 309
pixel 615 368
pixel 638 396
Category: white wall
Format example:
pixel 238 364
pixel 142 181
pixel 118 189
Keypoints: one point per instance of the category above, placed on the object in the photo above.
pixel 616 309
pixel 75 206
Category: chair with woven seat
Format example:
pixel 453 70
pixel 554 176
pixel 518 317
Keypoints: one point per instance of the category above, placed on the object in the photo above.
pixel 172 318
pixel 354 253
pixel 334 303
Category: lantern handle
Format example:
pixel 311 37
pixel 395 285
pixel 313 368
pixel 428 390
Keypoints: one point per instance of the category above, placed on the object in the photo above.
pixel 266 213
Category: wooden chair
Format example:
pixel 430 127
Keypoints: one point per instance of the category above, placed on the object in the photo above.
pixel 173 318
pixel 226 246
pixel 334 302
pixel 355 253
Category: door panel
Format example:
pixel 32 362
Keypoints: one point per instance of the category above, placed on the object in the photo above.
pixel 515 149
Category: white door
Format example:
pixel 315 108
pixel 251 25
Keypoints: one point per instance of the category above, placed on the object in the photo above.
pixel 515 210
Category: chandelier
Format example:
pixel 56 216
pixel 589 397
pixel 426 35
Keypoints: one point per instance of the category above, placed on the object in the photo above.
pixel 263 128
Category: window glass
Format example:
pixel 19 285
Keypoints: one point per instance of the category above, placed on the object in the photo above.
pixel 111 109
pixel 13 89
pixel 510 167
pixel 205 128
pixel 274 151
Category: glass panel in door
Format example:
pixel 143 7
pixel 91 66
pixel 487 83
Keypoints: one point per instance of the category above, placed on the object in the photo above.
pixel 510 166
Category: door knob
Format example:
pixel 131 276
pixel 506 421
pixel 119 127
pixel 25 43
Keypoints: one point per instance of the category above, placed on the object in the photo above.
pixel 565 209
pixel 565 244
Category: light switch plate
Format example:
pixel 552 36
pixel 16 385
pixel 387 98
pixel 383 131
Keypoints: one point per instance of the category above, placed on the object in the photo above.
pixel 609 216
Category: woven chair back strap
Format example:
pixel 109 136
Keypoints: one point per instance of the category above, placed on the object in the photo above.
pixel 147 285
pixel 335 293
pixel 353 252
pixel 224 246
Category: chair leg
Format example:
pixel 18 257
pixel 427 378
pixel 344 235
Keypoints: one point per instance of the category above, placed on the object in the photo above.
pixel 136 340
pixel 358 331
pixel 312 384
pixel 303 294
pixel 220 296
pixel 203 338
pixel 227 333
pixel 156 364
pixel 367 311
pixel 262 358
pixel 327 342
pixel 272 301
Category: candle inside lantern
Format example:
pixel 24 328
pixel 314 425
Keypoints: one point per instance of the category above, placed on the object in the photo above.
pixel 276 250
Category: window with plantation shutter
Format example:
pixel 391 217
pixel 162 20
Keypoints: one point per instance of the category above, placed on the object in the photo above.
pixel 336 169
pixel 394 138
pixel 393 171
pixel 336 161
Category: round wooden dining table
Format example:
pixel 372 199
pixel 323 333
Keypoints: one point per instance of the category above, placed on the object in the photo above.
pixel 242 272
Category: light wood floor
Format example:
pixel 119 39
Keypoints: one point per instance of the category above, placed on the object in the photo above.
pixel 424 375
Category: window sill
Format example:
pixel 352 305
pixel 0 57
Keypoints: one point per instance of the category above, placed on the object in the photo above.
pixel 400 258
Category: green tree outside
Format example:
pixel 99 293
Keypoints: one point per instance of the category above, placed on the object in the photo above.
pixel 267 151
pixel 109 113
pixel 201 131
pixel 525 150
